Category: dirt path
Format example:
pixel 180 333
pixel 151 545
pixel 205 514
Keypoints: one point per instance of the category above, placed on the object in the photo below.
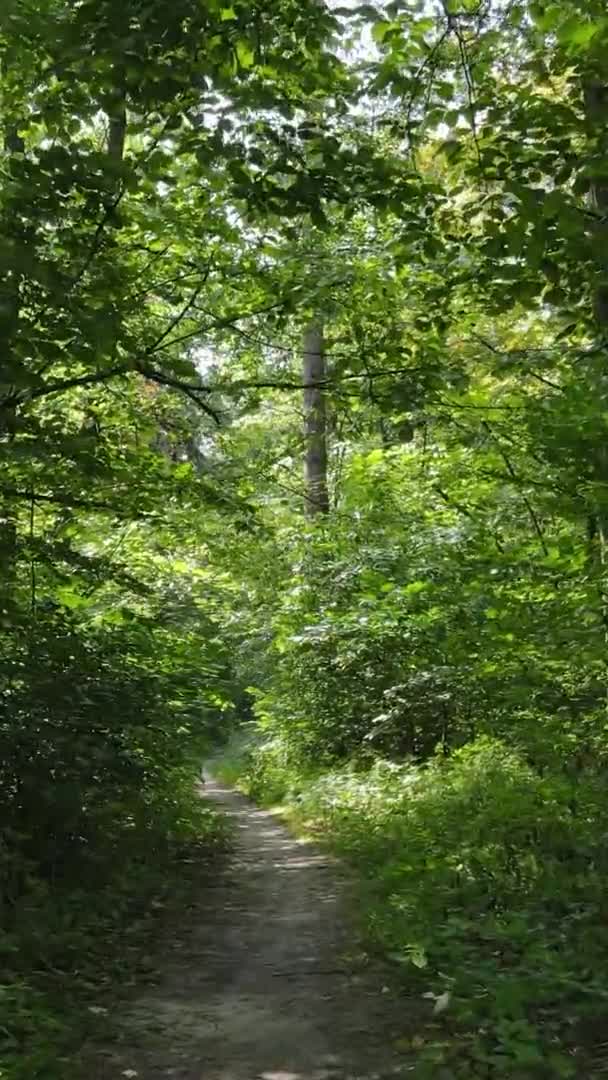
pixel 259 985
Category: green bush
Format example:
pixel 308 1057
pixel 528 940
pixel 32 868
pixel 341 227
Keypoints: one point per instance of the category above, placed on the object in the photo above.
pixel 69 948
pixel 101 732
pixel 263 768
pixel 486 882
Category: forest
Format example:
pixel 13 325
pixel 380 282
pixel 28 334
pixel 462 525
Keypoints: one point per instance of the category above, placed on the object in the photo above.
pixel 304 471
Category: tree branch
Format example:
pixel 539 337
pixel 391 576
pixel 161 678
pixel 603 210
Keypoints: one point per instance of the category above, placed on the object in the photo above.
pixel 191 390
pixel 59 387
pixel 181 315
pixel 512 473
pixel 449 501
pixel 61 500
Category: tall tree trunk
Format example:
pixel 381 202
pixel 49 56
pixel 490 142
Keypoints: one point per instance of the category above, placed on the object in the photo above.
pixel 9 318
pixel 315 421
pixel 596 112
pixel 117 125
pixel 596 109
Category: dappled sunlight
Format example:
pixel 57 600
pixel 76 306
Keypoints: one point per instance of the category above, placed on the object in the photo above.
pixel 267 993
pixel 304 481
pixel 280 1076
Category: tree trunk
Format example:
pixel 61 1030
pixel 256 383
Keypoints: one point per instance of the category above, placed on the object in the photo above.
pixel 596 112
pixel 315 424
pixel 9 319
pixel 117 126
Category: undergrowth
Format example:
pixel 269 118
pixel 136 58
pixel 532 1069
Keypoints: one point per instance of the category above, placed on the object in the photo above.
pixel 484 882
pixel 72 947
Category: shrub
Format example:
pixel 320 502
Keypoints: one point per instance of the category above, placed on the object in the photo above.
pixel 485 881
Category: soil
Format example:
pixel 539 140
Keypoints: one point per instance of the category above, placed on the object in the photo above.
pixel 261 983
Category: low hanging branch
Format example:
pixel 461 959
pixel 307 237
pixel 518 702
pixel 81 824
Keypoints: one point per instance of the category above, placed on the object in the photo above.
pixel 516 479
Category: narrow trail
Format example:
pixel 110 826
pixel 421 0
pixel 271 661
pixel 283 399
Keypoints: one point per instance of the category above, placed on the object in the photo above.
pixel 259 984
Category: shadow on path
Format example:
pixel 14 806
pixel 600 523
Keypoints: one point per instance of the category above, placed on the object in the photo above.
pixel 257 986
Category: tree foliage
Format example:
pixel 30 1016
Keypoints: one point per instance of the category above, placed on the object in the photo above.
pixel 184 190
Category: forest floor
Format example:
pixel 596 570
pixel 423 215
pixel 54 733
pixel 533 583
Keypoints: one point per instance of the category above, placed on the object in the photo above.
pixel 262 979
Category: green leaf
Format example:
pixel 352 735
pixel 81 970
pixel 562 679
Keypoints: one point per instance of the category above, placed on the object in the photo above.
pixel 381 29
pixel 244 53
pixel 576 33
pixel 445 90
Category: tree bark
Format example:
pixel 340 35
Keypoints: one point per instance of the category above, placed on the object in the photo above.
pixel 596 113
pixel 9 319
pixel 117 126
pixel 315 421
pixel 596 110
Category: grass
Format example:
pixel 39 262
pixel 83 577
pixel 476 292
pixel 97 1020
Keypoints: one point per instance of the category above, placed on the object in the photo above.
pixel 484 882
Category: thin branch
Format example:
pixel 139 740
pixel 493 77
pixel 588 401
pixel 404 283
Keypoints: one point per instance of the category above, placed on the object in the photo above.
pixel 516 479
pixel 96 242
pixel 323 384
pixel 191 390
pixel 429 61
pixel 109 210
pixel 547 382
pixel 449 501
pixel 61 500
pixel 484 408
pixel 59 387
pixel 221 324
pixel 518 352
pixel 181 315
pixel 468 78
pixel 155 286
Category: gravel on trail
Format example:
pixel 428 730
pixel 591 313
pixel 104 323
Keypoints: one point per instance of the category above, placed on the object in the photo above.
pixel 259 985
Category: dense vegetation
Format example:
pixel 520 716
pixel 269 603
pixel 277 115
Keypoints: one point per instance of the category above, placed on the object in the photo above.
pixel 303 426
